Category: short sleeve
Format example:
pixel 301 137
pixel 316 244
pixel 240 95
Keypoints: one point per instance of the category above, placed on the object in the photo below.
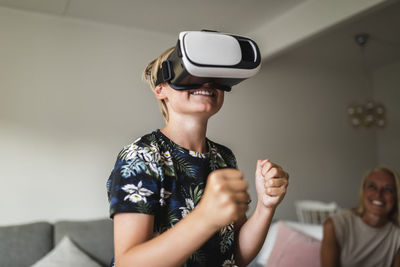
pixel 224 156
pixel 133 185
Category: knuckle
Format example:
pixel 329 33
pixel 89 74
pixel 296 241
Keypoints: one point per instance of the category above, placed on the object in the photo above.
pixel 212 177
pixel 226 200
pixel 219 187
pixel 270 191
pixel 218 174
pixel 236 174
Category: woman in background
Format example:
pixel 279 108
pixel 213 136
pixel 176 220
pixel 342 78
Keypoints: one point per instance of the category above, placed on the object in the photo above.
pixel 368 235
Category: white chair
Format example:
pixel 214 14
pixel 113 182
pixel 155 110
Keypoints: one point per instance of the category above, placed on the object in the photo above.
pixel 314 212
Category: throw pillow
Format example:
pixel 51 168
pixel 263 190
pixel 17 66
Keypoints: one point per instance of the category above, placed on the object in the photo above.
pixel 66 254
pixel 293 248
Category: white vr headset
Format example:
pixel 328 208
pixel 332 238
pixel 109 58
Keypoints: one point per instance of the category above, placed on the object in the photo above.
pixel 200 57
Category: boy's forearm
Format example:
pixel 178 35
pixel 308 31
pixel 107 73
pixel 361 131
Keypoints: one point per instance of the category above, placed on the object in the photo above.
pixel 171 248
pixel 252 234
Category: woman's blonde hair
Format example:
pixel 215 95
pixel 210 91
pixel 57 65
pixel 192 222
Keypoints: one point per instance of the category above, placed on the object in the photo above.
pixel 150 76
pixel 394 215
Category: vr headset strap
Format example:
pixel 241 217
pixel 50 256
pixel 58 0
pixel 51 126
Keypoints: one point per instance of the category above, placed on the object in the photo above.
pixel 165 74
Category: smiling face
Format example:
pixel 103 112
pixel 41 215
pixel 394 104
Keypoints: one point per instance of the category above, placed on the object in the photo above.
pixel 379 194
pixel 203 102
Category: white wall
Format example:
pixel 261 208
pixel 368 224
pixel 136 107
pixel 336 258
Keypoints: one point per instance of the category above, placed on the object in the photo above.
pixel 295 114
pixel 71 97
pixel 386 84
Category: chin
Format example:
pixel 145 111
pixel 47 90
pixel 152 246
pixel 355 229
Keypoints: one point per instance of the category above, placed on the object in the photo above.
pixel 381 212
pixel 209 109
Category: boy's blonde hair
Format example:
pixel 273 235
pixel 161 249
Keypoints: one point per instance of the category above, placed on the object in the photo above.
pixel 150 76
pixel 394 215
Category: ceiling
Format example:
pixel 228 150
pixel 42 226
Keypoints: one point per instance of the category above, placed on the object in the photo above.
pixel 337 47
pixel 166 16
pixel 333 44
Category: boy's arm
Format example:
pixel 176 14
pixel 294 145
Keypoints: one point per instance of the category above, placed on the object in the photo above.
pixel 135 246
pixel 251 236
pixel 225 200
pixel 271 184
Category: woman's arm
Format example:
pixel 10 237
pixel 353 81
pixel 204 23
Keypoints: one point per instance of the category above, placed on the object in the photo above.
pixel 224 200
pixel 271 184
pixel 330 251
pixel 396 262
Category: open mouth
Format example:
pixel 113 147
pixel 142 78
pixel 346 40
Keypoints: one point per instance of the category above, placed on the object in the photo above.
pixel 377 203
pixel 203 92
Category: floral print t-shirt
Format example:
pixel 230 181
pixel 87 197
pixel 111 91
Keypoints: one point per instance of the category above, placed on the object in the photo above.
pixel 155 176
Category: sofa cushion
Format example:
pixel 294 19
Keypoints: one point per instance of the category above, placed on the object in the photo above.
pixel 312 230
pixel 293 248
pixel 94 237
pixel 66 254
pixel 23 245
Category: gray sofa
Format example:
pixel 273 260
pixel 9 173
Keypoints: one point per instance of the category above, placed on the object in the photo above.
pixel 23 245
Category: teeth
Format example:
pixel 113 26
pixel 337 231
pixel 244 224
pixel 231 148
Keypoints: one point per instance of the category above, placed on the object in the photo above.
pixel 201 92
pixel 376 202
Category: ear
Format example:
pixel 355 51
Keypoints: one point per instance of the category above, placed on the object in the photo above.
pixel 160 91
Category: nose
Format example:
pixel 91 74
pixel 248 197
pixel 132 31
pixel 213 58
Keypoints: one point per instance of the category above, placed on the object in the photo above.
pixel 379 193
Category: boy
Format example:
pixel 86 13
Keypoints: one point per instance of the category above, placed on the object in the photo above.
pixel 176 197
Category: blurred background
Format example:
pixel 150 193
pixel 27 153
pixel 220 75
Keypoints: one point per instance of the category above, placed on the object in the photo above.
pixel 325 104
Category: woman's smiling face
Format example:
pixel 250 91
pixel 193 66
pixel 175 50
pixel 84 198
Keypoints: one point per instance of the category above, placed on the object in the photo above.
pixel 379 194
